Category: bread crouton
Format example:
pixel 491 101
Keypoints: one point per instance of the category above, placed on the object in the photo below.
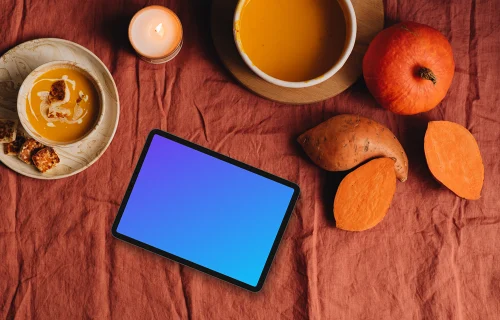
pixel 13 148
pixel 28 149
pixel 58 91
pixel 8 129
pixel 45 159
pixel 58 112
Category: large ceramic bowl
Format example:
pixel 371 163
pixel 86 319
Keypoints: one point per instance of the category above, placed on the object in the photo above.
pixel 351 27
pixel 28 84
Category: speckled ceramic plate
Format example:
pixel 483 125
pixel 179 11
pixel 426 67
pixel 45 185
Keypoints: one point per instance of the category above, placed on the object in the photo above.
pixel 15 66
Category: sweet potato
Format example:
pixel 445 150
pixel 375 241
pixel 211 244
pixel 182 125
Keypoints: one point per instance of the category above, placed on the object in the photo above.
pixel 364 195
pixel 344 141
pixel 454 159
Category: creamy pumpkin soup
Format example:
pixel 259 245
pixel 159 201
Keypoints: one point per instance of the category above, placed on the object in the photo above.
pixel 63 105
pixel 292 40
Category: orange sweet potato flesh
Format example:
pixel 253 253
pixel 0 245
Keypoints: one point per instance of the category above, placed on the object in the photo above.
pixel 454 159
pixel 345 141
pixel 364 195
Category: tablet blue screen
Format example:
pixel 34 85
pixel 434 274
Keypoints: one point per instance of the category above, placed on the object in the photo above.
pixel 205 210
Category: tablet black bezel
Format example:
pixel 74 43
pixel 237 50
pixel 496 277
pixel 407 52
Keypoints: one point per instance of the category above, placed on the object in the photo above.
pixel 188 263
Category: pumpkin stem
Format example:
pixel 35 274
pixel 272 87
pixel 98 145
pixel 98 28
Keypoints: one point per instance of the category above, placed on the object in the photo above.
pixel 427 74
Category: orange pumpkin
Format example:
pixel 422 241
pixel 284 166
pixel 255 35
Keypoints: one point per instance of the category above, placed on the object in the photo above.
pixel 408 68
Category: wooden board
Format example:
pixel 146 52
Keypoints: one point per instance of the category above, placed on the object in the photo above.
pixel 370 20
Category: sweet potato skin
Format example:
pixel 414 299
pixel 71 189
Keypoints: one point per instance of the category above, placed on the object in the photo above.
pixel 365 195
pixel 345 141
pixel 454 158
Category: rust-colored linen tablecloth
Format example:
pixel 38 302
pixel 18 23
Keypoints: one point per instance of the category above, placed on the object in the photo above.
pixel 434 256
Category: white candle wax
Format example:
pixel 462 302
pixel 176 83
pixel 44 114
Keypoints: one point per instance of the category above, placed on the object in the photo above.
pixel 155 32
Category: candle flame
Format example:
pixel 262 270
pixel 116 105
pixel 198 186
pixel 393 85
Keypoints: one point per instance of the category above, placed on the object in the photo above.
pixel 159 28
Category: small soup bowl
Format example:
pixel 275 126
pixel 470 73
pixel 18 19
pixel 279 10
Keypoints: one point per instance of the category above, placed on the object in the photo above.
pixel 350 38
pixel 28 84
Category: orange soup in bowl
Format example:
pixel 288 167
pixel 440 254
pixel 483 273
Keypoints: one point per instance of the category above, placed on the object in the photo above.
pixel 292 40
pixel 62 105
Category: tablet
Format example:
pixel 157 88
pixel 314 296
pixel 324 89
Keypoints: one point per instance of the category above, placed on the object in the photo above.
pixel 205 210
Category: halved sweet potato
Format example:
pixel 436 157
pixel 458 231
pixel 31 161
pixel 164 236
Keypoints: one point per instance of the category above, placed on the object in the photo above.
pixel 345 141
pixel 364 195
pixel 454 159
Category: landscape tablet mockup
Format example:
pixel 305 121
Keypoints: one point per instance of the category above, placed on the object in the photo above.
pixel 205 210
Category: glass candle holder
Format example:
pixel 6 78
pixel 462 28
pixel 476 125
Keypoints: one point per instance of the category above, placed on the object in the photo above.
pixel 155 33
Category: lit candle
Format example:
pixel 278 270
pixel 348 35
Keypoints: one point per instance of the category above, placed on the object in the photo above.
pixel 155 32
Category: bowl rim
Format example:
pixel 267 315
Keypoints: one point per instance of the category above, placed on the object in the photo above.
pixel 350 41
pixel 32 76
